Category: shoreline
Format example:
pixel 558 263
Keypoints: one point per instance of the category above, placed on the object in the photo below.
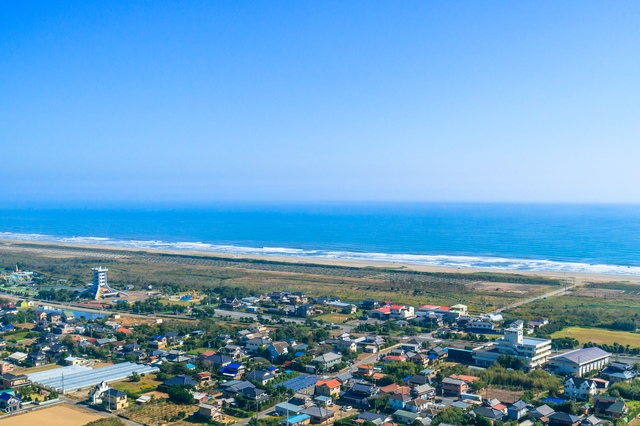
pixel 578 276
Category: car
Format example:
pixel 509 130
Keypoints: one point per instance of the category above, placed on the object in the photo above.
pixel 438 401
pixel 347 408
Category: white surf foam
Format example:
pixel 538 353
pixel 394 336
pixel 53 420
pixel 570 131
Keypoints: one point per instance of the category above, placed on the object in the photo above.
pixel 463 262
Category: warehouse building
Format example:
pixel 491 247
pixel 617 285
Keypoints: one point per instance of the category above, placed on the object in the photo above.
pixel 580 361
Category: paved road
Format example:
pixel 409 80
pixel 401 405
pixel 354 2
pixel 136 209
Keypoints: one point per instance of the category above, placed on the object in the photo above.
pixel 544 296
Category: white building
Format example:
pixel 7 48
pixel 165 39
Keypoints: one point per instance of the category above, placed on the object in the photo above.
pixel 578 388
pixel 100 288
pixel 534 352
pixel 401 312
pixel 580 361
pixel 478 325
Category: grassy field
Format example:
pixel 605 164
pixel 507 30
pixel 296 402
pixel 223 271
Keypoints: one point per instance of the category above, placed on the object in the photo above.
pixel 580 311
pixel 147 382
pixel 584 335
pixel 336 318
pixel 176 273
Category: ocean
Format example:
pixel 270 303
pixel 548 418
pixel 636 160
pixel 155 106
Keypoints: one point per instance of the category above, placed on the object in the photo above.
pixel 521 237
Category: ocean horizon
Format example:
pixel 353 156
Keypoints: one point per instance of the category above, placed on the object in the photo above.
pixel 571 238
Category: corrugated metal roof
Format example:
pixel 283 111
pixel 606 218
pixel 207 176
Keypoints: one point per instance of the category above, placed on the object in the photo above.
pixel 582 356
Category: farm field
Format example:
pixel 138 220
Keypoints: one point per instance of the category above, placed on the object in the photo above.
pixel 41 368
pixel 148 382
pixel 58 415
pixel 595 335
pixel 146 414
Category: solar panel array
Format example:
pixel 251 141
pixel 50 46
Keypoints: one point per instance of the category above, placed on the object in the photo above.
pixel 302 382
pixel 87 377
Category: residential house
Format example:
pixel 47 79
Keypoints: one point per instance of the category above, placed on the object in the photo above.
pixel 593 421
pixel 417 405
pixel 287 409
pixel 209 411
pixel 301 400
pixel 406 417
pixel 610 406
pixel 424 391
pixel 541 413
pixel 359 394
pixel 420 359
pixel 38 359
pixel 180 381
pixel 10 402
pixel 113 400
pixel 230 303
pixel 344 378
pixel 370 304
pixel 398 401
pixel 233 371
pixel 329 388
pixel 234 351
pixel 234 387
pixel 327 361
pixel 491 413
pixel 364 370
pixel 203 377
pixel 343 345
pixel 261 376
pixel 318 414
pixel 296 420
pixel 454 386
pixel 538 322
pixel 10 380
pixel 563 419
pixel 579 388
pixel 173 337
pixel 254 394
pixel 304 310
pixel 277 349
pixel 6 367
pixel 252 345
pixel 518 410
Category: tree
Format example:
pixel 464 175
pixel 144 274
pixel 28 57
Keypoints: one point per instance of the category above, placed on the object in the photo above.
pixel 134 377
pixel 452 415
pixel 180 395
pixel 482 421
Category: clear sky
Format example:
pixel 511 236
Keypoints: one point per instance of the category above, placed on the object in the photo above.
pixel 299 101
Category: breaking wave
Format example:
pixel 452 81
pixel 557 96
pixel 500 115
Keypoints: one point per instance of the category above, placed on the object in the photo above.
pixel 466 262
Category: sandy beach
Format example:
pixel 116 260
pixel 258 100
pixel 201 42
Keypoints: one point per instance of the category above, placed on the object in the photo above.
pixel 17 245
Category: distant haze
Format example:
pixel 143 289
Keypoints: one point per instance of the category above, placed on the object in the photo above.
pixel 310 101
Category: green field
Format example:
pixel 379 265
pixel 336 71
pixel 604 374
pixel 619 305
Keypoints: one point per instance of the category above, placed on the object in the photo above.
pixel 596 335
pixel 176 273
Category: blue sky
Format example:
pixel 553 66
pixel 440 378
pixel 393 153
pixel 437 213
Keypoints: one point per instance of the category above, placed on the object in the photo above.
pixel 309 101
